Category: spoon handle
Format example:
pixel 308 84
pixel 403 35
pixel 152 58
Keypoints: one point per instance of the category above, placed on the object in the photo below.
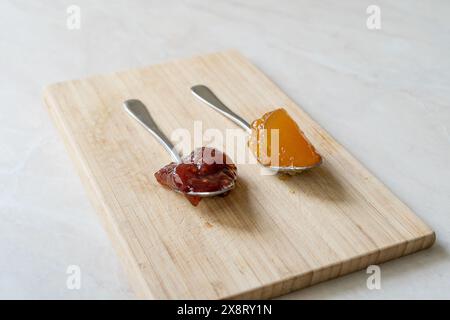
pixel 139 112
pixel 207 96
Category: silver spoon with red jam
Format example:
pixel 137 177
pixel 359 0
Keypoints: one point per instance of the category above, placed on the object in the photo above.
pixel 205 172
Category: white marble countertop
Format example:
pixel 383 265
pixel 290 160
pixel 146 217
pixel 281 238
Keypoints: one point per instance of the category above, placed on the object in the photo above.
pixel 384 94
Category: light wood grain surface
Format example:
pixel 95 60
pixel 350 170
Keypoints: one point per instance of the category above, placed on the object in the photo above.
pixel 269 236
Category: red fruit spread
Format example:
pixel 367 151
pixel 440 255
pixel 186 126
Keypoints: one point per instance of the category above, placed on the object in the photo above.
pixel 204 170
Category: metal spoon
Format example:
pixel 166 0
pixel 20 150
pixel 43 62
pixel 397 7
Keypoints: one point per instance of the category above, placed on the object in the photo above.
pixel 138 111
pixel 207 96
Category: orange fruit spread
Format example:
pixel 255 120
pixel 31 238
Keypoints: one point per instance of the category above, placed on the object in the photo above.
pixel 290 144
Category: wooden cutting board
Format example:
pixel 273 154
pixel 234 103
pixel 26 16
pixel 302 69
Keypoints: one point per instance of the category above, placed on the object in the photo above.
pixel 270 236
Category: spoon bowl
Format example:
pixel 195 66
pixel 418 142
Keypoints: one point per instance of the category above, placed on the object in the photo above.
pixel 294 170
pixel 209 193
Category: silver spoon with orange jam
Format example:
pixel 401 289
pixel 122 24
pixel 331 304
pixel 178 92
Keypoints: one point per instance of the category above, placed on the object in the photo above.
pixel 294 153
